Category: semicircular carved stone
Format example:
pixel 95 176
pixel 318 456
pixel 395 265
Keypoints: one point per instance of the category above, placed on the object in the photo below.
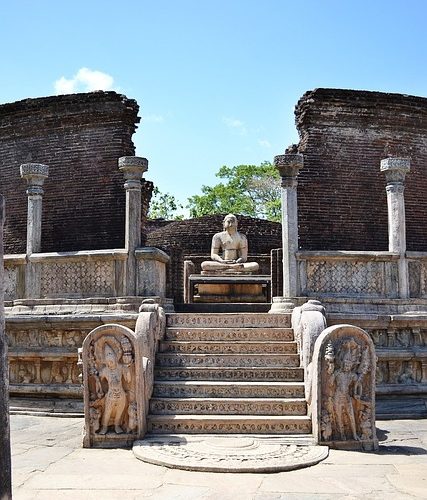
pixel 343 411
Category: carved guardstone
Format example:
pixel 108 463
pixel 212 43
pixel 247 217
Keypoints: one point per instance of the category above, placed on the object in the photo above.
pixel 343 408
pixel 111 398
pixel 118 373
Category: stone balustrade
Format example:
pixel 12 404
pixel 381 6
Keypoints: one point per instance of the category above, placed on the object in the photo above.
pixel 95 273
pixel 349 274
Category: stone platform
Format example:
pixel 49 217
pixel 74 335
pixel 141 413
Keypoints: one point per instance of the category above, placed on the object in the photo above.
pixel 233 288
pixel 238 453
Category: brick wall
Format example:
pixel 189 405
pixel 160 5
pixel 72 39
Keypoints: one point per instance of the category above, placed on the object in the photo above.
pixel 80 137
pixel 341 193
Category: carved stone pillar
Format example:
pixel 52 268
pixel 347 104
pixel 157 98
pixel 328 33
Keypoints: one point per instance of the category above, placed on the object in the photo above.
pixel 5 469
pixel 395 170
pixel 34 174
pixel 133 168
pixel 289 166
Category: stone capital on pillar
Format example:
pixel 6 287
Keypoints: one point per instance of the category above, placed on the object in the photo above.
pixel 395 169
pixel 289 166
pixel 133 168
pixel 35 175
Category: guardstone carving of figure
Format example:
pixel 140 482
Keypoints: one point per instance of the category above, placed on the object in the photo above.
pixel 345 388
pixel 111 369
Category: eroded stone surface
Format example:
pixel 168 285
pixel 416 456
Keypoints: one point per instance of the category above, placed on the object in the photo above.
pixel 227 454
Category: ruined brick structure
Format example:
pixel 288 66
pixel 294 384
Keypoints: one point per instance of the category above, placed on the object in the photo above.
pixel 80 137
pixel 344 134
pixel 193 237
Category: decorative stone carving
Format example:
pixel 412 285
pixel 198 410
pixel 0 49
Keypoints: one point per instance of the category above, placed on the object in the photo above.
pixel 77 279
pixel 227 454
pixel 234 246
pixel 345 277
pixel 344 388
pixel 118 376
pixel 109 381
pixel 10 283
pixel 308 322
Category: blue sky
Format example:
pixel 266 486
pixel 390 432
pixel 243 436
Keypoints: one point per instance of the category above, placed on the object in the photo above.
pixel 216 81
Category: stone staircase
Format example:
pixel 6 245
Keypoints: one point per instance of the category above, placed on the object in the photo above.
pixel 234 373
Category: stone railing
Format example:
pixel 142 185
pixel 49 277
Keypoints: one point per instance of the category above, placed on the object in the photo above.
pixel 95 273
pixel 348 274
pixel 417 270
pixel 14 276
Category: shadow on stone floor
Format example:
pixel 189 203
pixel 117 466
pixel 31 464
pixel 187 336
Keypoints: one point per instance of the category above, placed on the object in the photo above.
pixel 400 450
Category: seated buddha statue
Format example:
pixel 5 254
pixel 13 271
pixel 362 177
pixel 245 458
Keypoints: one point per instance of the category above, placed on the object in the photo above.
pixel 234 248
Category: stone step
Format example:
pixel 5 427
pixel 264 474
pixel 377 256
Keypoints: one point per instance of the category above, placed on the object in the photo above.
pixel 228 406
pixel 231 334
pixel 227 360
pixel 230 320
pixel 224 373
pixel 228 424
pixel 210 389
pixel 236 347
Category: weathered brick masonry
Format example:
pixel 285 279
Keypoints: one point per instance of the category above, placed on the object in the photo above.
pixel 341 193
pixel 80 137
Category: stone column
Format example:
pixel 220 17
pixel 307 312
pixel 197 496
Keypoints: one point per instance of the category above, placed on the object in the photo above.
pixel 35 174
pixel 5 467
pixel 133 168
pixel 289 166
pixel 395 170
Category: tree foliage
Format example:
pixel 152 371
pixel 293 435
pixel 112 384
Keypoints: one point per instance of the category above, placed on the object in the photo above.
pixel 164 206
pixel 252 190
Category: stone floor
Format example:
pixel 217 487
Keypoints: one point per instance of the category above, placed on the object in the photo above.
pixel 49 463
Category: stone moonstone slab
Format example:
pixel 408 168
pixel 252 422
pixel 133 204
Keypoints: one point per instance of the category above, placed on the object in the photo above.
pixel 227 454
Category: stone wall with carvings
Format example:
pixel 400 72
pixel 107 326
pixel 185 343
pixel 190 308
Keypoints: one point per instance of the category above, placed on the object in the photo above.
pixel 344 134
pixel 80 137
pixel 43 353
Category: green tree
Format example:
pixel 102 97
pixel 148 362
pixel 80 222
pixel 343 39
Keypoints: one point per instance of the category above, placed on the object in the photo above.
pixel 252 190
pixel 164 206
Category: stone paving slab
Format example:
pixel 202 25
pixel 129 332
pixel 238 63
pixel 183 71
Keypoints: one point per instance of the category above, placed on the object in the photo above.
pixel 49 463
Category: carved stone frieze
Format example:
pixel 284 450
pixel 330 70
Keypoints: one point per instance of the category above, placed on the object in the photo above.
pixel 344 365
pixel 255 374
pixel 229 360
pixel 345 277
pixel 230 348
pixel 77 278
pixel 174 426
pixel 231 334
pixel 39 337
pixel 399 371
pixel 233 407
pixel 229 320
pixel 228 391
pixel 40 371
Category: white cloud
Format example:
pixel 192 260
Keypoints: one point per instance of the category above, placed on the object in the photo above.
pixel 264 143
pixel 85 80
pixel 235 124
pixel 153 118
